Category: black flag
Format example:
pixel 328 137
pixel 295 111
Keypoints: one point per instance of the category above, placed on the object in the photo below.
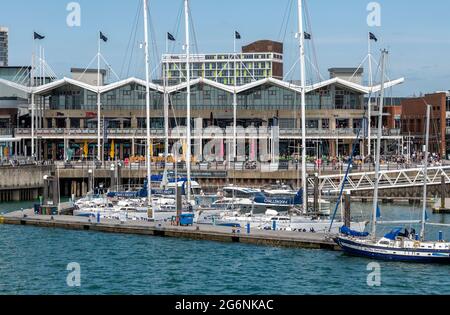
pixel 170 37
pixel 237 35
pixel 307 36
pixel 103 37
pixel 372 37
pixel 37 36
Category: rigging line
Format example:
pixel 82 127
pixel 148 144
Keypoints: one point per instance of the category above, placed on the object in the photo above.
pixel 194 33
pixel 134 35
pixel 288 19
pixel 178 24
pixel 109 66
pixel 313 42
pixel 284 20
pixel 90 63
pixel 130 38
pixel 157 57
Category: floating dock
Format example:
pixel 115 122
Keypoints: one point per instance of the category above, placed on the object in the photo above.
pixel 196 232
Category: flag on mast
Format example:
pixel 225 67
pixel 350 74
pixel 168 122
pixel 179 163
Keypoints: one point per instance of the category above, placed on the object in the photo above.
pixel 103 37
pixel 373 37
pixel 170 37
pixel 237 35
pixel 307 36
pixel 38 36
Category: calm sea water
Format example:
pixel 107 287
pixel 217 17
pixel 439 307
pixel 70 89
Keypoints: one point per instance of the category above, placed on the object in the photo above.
pixel 34 261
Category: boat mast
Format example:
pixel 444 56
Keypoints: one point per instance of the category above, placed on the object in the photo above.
pixel 301 36
pixel 99 107
pixel 378 148
pixel 425 174
pixel 147 103
pixel 166 116
pixel 188 100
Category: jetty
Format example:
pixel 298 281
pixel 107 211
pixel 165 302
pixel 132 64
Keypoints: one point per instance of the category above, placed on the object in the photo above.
pixel 166 229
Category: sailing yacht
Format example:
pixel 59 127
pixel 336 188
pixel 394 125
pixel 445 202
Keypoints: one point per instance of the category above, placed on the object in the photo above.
pixel 396 246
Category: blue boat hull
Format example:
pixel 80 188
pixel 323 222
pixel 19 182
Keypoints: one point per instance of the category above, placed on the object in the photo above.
pixel 371 252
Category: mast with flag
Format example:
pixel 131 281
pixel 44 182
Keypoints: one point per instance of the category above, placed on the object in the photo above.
pixel 165 182
pixel 36 36
pixel 188 100
pixel 147 103
pixel 301 35
pixel 103 38
pixel 371 38
pixel 237 36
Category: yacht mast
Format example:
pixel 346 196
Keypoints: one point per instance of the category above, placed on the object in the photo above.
pixel 378 148
pixel 301 35
pixel 166 120
pixel 425 174
pixel 188 100
pixel 147 103
pixel 99 108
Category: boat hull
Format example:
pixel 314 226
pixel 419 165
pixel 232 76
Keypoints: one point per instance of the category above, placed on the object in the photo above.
pixel 355 248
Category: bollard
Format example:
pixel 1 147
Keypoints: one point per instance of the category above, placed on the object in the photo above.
pixel 441 236
pixel 248 228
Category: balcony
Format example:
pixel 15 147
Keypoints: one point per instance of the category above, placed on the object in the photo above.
pixel 91 133
pixel 6 132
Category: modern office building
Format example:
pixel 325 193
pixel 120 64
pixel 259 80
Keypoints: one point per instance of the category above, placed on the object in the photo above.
pixel 258 60
pixel 4 34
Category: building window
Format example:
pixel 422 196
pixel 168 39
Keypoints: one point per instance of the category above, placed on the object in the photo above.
pixel 325 124
pixel 312 124
pixel 342 123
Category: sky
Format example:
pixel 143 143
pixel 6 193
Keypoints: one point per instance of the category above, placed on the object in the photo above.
pixel 415 32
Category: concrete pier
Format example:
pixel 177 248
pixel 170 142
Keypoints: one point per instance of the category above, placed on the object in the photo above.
pixel 196 232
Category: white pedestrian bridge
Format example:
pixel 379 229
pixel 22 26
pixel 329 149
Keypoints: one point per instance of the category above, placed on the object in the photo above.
pixel 389 179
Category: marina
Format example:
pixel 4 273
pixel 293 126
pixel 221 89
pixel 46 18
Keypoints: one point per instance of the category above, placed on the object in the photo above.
pixel 222 173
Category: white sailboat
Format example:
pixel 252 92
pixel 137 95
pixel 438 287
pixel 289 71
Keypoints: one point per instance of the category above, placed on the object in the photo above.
pixel 396 246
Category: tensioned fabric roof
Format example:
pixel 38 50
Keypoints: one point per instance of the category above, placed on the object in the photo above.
pixel 43 89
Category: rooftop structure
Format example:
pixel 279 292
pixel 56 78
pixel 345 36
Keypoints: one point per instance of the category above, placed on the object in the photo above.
pixel 259 60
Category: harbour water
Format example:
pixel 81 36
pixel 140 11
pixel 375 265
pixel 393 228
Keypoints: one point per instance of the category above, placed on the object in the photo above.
pixel 34 261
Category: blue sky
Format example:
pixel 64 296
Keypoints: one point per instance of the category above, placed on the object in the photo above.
pixel 416 32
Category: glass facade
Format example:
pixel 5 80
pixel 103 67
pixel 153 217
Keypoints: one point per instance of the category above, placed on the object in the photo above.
pixel 206 97
pixel 129 97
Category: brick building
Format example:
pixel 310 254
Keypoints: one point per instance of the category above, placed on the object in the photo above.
pixel 414 118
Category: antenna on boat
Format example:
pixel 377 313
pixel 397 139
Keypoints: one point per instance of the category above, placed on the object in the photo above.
pixel 301 36
pixel 425 175
pixel 147 102
pixel 188 100
pixel 378 148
